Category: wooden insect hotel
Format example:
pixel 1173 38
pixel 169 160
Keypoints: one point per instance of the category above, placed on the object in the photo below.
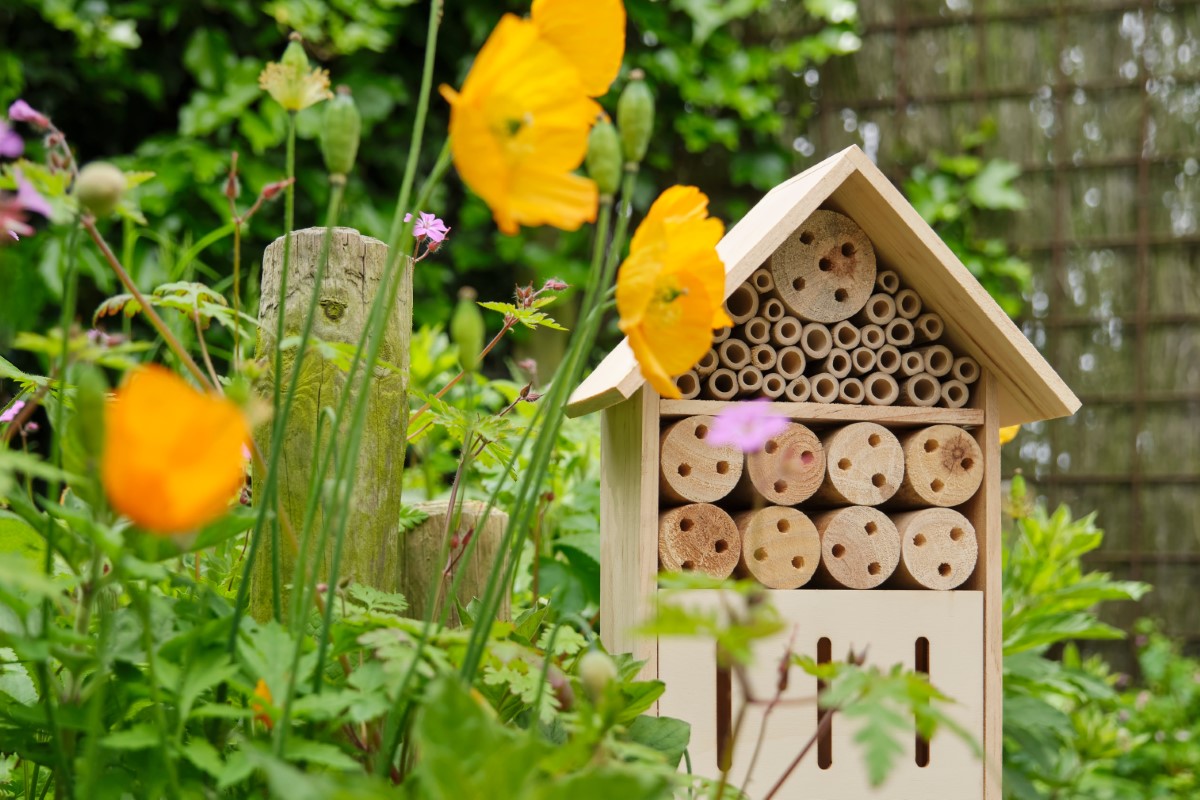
pixel 873 519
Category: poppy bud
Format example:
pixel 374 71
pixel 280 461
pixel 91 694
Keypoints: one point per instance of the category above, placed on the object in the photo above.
pixel 635 117
pixel 604 157
pixel 99 188
pixel 467 329
pixel 341 133
pixel 596 672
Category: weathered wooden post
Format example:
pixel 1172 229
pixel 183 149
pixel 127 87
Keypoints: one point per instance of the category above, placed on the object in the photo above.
pixel 371 553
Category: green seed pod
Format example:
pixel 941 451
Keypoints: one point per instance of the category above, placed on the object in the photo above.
pixel 635 117
pixel 294 55
pixel 99 188
pixel 341 133
pixel 604 157
pixel 467 329
pixel 91 394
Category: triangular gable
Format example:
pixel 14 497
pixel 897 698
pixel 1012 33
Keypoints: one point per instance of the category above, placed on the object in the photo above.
pixel 1029 389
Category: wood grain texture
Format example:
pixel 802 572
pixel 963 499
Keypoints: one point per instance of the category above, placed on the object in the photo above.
pixel 943 466
pixel 691 469
pixel 786 471
pixel 938 549
pixel 780 547
pixel 860 547
pixel 865 465
pixel 825 270
pixel 698 537
pixel 823 414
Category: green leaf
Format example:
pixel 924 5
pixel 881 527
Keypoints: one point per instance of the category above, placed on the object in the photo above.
pixel 320 754
pixel 139 737
pixel 992 187
pixel 204 756
pixel 667 735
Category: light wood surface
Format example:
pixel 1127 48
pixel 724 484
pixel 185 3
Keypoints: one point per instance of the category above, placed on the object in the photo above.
pixel 786 471
pixel 865 465
pixel 698 537
pixel 938 549
pixel 943 466
pixel 819 413
pixel 780 546
pixel 691 469
pixel 860 547
pixel 825 270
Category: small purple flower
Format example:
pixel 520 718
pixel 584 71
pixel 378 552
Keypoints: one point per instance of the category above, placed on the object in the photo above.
pixel 23 112
pixel 10 413
pixel 13 210
pixel 746 426
pixel 29 199
pixel 428 227
pixel 11 144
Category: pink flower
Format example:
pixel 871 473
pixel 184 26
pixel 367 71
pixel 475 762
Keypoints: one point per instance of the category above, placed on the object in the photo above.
pixel 23 112
pixel 10 413
pixel 13 210
pixel 746 426
pixel 428 227
pixel 11 144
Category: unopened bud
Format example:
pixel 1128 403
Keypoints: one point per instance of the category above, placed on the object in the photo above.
pixel 340 133
pixel 272 190
pixel 555 285
pixel 596 672
pixel 99 188
pixel 635 117
pixel 604 157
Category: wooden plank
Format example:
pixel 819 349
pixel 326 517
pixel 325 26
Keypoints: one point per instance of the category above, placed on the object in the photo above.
pixel 629 524
pixel 837 412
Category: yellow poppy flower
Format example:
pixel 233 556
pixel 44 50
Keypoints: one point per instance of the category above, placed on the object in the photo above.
pixel 1007 434
pixel 291 83
pixel 519 127
pixel 173 456
pixel 670 290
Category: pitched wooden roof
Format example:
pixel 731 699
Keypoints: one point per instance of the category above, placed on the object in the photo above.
pixel 850 183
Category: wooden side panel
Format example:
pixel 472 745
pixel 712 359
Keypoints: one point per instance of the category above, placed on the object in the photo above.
pixel 629 524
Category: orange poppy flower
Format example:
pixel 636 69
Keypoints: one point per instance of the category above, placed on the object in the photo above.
pixel 173 456
pixel 671 288
pixel 262 693
pixel 1008 433
pixel 519 127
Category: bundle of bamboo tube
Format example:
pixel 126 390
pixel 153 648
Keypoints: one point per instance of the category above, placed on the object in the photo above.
pixel 820 322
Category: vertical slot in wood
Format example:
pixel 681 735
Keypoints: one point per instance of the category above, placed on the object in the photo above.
pixel 825 740
pixel 922 666
pixel 724 717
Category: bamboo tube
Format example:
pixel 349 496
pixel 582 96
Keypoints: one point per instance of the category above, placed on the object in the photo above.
pixel 943 466
pixel 825 271
pixel 899 332
pixel 872 336
pixel 937 359
pixel 698 538
pixel 845 335
pixel 816 341
pixel 887 281
pixel 733 353
pixel 824 388
pixel 851 391
pixel 928 327
pixel 773 386
pixel 955 394
pixel 887 360
pixel 862 360
pixel 742 303
pixel 920 390
pixel 757 330
pixel 881 389
pixel 965 369
pixel 860 548
pixel 780 547
pixel 688 385
pixel 721 334
pixel 692 470
pixel 799 390
pixel 866 465
pixel 762 280
pixel 763 356
pixel 908 304
pixel 880 309
pixel 722 384
pixel 911 364
pixel 790 362
pixel 786 331
pixel 749 380
pixel 772 309
pixel 786 471
pixel 837 363
pixel 707 363
pixel 939 549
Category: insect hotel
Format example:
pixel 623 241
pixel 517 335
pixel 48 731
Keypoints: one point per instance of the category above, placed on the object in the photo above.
pixel 873 519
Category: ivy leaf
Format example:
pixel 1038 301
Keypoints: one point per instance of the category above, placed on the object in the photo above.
pixel 992 188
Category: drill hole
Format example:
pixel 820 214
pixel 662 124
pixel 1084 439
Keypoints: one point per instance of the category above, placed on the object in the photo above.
pixel 780 487
pixel 688 566
pixel 838 550
pixel 806 237
pixel 771 447
pixel 806 457
pixel 684 470
pixel 840 295
pixel 967 463
pixel 721 546
pixel 957 533
pixel 783 526
pixel 798 562
pixel 701 431
pixel 874 568
pixel 878 480
pixel 871 528
pixel 722 467
pixel 944 570
pixel 874 440
pixel 936 485
pixel 686 524
pixel 844 464
pixel 760 554
pixel 798 284
pixel 931 445
pixel 825 265
pixel 847 249
pixel 919 539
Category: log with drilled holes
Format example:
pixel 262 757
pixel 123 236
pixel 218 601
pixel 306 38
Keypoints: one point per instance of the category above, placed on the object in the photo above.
pixel 938 549
pixel 691 470
pixel 780 546
pixel 860 548
pixel 943 466
pixel 866 465
pixel 786 471
pixel 699 537
pixel 825 270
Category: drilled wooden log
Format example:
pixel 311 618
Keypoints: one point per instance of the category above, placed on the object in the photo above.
pixel 692 470
pixel 790 362
pixel 733 353
pixel 688 385
pixel 815 341
pixel 824 388
pixel 965 369
pixel 939 549
pixel 887 281
pixel 762 280
pixel 707 363
pixel 742 303
pixel 881 389
pixel 786 331
pixel 786 471
pixel 422 549
pixel 955 394
pixel 860 548
pixel 880 309
pixel 845 335
pixel 749 380
pixel 908 304
pixel 920 390
pixel 722 384
pixel 866 465
pixel 825 270
pixel 780 547
pixel 850 390
pixel 899 332
pixel 937 359
pixel 943 466
pixel 837 363
pixel 773 386
pixel 763 356
pixel 757 330
pixel 862 360
pixel 699 537
pixel 911 364
pixel 928 328
pixel 888 359
pixel 798 390
pixel 772 309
